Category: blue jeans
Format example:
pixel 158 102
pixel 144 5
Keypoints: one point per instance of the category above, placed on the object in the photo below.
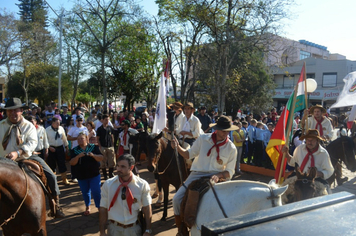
pixel 88 187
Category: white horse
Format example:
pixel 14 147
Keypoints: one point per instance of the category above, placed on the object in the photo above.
pixel 237 198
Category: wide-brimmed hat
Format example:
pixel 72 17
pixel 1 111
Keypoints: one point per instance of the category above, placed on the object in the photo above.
pixel 224 124
pixel 14 103
pixel 189 104
pixel 312 133
pixel 177 105
pixel 323 110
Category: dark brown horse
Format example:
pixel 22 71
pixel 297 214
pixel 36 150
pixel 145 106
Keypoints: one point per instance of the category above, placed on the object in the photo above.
pixel 161 158
pixel 304 186
pixel 341 150
pixel 17 187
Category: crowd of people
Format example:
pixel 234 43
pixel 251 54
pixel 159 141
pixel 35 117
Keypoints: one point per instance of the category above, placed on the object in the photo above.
pixel 100 143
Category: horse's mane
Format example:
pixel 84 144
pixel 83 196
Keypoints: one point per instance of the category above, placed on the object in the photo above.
pixel 7 161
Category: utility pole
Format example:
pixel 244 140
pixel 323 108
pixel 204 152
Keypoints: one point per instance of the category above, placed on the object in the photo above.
pixel 60 54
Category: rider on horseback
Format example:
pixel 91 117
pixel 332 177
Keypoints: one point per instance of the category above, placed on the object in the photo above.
pixel 19 140
pixel 318 121
pixel 215 157
pixel 311 154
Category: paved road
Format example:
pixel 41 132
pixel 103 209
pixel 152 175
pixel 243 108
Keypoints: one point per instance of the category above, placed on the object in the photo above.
pixel 75 224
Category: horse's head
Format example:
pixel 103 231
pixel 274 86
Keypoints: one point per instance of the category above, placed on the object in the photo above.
pixel 304 186
pixel 154 150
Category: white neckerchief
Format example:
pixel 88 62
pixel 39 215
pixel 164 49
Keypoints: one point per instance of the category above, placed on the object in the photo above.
pixel 186 126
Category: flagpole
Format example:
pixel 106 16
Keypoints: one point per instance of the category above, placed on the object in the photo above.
pixel 306 98
pixel 287 134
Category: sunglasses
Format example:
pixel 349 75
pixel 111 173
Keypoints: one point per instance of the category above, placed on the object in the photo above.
pixel 80 120
pixel 123 194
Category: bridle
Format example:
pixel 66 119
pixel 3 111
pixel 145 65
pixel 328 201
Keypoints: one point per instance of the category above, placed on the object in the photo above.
pixel 157 157
pixel 22 202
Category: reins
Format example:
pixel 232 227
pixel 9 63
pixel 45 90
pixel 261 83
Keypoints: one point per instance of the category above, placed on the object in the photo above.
pixel 217 199
pixel 23 200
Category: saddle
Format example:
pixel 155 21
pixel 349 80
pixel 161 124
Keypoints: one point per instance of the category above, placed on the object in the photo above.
pixel 190 202
pixel 37 169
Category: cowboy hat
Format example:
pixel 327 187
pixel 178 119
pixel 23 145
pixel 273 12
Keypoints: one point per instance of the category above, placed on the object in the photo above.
pixel 14 103
pixel 312 133
pixel 189 104
pixel 224 124
pixel 177 105
pixel 323 110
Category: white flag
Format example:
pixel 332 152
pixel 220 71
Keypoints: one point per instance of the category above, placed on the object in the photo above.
pixel 160 117
pixel 348 95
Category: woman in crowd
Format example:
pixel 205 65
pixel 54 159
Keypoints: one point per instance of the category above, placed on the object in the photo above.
pixel 69 124
pixel 92 134
pixel 86 157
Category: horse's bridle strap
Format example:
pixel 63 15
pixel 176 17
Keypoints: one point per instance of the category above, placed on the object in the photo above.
pixel 217 199
pixel 272 197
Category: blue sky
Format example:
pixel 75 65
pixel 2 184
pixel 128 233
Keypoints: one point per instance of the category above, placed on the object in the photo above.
pixel 326 22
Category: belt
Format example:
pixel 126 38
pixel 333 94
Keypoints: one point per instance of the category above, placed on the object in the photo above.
pixel 189 139
pixel 122 225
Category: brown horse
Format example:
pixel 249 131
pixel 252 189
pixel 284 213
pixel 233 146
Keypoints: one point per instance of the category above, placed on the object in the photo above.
pixel 161 158
pixel 22 202
pixel 341 150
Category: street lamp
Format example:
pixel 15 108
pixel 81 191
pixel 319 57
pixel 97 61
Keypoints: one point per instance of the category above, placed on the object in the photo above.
pixel 311 87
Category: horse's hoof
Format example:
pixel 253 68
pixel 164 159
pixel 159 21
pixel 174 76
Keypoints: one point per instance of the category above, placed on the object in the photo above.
pixel 343 180
pixel 163 218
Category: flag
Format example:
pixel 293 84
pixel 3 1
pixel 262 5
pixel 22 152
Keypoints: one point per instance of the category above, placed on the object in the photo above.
pixel 166 76
pixel 282 130
pixel 160 117
pixel 347 97
pixel 352 117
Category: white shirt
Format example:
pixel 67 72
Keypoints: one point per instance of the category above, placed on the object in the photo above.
pixel 74 132
pixel 120 211
pixel 326 124
pixel 194 126
pixel 205 163
pixel 51 134
pixel 321 160
pixel 28 136
pixel 121 137
pixel 98 124
pixel 42 139
pixel 178 123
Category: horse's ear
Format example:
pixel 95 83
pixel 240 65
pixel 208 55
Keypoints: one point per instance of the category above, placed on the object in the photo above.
pixel 297 171
pixel 159 136
pixel 313 173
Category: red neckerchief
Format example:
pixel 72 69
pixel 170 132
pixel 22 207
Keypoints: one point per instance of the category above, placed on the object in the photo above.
pixel 213 136
pixel 36 126
pixel 129 196
pixel 306 158
pixel 125 137
pixel 321 127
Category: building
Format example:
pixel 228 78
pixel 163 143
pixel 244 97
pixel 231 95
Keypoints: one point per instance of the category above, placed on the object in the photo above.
pixel 327 69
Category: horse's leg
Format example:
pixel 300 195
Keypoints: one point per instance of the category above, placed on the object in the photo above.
pixel 338 174
pixel 165 187
pixel 42 232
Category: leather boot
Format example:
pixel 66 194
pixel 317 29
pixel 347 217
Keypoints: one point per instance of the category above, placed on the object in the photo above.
pixel 64 178
pixel 191 208
pixel 59 212
pixel 104 173
pixel 111 171
pixel 179 225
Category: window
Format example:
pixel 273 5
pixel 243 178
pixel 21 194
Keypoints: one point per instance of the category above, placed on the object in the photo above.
pixel 310 76
pixel 304 54
pixel 288 81
pixel 329 80
pixel 0 87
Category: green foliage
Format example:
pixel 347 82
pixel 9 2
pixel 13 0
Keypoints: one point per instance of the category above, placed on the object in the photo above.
pixel 84 98
pixel 33 11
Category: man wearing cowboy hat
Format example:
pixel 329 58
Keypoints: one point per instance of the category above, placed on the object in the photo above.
pixel 319 121
pixel 214 156
pixel 311 154
pixel 189 129
pixel 19 141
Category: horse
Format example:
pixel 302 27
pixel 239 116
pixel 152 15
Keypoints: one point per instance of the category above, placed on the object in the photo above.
pixel 22 201
pixel 161 158
pixel 303 186
pixel 237 197
pixel 341 150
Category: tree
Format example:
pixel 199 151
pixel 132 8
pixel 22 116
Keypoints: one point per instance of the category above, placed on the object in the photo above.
pixel 106 22
pixel 33 11
pixel 231 27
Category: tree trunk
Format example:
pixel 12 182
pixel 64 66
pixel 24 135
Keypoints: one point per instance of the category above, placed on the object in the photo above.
pixel 105 95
